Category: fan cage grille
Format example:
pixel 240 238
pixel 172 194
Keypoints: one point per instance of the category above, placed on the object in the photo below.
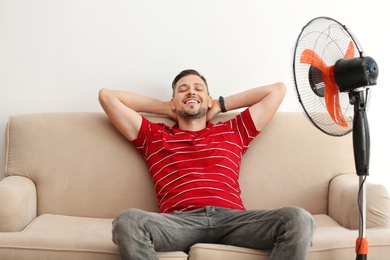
pixel 329 39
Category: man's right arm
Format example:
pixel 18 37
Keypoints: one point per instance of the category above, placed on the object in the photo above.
pixel 123 109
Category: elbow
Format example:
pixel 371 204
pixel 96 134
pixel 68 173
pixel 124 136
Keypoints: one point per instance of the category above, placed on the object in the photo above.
pixel 282 88
pixel 103 95
pixel 105 98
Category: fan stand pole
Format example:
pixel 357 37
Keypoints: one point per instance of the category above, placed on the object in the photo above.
pixel 361 248
pixel 361 145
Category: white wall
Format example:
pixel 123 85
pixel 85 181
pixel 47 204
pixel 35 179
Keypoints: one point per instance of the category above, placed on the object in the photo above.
pixel 55 55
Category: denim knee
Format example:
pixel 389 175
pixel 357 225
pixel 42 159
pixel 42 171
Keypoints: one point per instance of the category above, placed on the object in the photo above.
pixel 127 221
pixel 301 220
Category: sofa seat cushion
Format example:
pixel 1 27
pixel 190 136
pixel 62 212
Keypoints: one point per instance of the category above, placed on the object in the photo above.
pixel 331 241
pixel 65 237
pixel 223 252
pixel 68 237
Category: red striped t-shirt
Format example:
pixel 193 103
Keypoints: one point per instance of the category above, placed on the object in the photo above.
pixel 191 170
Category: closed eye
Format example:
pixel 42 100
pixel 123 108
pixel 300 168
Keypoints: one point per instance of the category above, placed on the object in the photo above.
pixel 182 88
pixel 199 87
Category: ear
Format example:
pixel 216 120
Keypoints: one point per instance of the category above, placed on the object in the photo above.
pixel 172 103
pixel 210 102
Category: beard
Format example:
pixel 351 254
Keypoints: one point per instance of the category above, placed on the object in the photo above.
pixel 192 114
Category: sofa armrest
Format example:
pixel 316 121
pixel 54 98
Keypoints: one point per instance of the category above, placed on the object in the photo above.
pixel 18 203
pixel 343 202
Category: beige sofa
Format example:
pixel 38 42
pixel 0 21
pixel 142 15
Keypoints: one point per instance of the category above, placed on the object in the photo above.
pixel 69 174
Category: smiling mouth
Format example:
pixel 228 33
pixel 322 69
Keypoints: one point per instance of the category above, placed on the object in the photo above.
pixel 191 101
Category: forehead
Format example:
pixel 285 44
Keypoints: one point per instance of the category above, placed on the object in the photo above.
pixel 190 79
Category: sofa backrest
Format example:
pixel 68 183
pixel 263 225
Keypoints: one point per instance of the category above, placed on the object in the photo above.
pixel 82 166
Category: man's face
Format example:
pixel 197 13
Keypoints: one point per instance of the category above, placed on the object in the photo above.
pixel 191 99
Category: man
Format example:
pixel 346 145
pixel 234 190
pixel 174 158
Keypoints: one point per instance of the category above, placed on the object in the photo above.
pixel 195 166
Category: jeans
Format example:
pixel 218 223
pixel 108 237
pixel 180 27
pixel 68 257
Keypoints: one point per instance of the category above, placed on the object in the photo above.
pixel 286 231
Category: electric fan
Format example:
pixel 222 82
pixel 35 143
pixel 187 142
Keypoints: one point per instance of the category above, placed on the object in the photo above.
pixel 332 79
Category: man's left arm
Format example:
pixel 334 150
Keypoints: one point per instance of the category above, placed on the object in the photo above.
pixel 263 102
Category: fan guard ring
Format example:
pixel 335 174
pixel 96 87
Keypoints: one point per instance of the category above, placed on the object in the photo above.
pixel 329 39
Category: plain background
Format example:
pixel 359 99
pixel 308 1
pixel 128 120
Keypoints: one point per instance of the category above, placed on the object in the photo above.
pixel 55 55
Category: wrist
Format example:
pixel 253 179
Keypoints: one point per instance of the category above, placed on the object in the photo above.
pixel 222 104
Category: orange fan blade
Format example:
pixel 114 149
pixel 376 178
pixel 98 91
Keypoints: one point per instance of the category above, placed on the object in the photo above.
pixel 312 58
pixel 332 99
pixel 332 102
pixel 331 92
pixel 350 51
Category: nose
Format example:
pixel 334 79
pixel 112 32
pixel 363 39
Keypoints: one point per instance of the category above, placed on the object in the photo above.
pixel 191 93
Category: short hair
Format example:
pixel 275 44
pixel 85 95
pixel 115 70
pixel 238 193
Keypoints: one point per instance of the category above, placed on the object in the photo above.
pixel 186 73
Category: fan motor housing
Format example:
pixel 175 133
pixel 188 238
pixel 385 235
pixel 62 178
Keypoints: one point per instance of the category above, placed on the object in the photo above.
pixel 354 73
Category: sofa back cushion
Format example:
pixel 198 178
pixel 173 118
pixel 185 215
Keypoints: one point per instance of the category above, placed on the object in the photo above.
pixel 82 166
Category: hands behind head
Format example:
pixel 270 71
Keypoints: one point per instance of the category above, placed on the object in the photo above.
pixel 214 110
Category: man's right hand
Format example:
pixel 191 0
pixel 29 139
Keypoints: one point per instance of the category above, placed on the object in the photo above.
pixel 214 110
